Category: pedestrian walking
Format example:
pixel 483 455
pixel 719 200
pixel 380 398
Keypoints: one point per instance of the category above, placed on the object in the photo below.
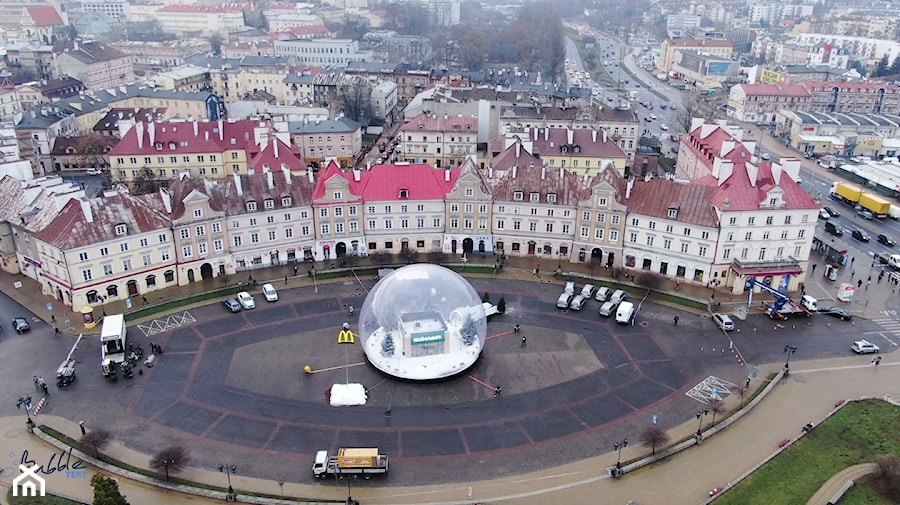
pixel 351 309
pixel 814 268
pixel 872 362
pixel 859 284
pixel 523 340
pixel 676 320
pixel 498 391
pixel 677 284
pixel 35 379
pixel 537 270
pixel 56 332
pixel 516 329
pixel 46 390
pixel 877 361
pixel 285 280
pixel 144 299
pixel 81 425
pixel 867 285
pixel 295 270
pixel 53 318
pixel 852 260
pixel 852 274
pixel 41 383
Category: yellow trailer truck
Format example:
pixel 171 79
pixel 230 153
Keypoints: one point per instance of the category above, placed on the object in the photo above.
pixel 350 461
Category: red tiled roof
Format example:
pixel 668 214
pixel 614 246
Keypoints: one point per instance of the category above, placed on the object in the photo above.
pixel 740 194
pixel 530 176
pixel 774 90
pixel 71 229
pixel 181 188
pixel 440 123
pixel 177 137
pixel 256 188
pixel 850 87
pixel 581 137
pixel 329 172
pixel 45 16
pixel 655 198
pixel 286 157
pixel 423 182
pixel 63 144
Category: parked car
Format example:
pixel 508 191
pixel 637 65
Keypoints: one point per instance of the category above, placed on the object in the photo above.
pixel 570 287
pixel 246 300
pixel 864 347
pixel 885 240
pixel 588 291
pixel 723 322
pixel 564 300
pixel 608 309
pixel 603 294
pixel 838 312
pixel 578 302
pixel 833 211
pixel 619 296
pixel 270 293
pixel 231 305
pixel 94 171
pixel 860 235
pixel 20 324
pixel 663 127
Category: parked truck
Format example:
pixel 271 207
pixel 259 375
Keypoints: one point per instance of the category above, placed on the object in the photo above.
pixel 112 343
pixel 363 461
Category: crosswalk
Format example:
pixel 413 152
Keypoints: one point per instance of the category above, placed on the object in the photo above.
pixel 890 328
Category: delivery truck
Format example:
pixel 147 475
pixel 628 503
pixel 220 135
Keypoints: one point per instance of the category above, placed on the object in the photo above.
pixel 112 343
pixel 875 204
pixel 865 200
pixel 363 461
pixel 846 193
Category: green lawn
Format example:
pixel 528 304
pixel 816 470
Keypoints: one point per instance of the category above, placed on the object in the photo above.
pixel 862 493
pixel 859 433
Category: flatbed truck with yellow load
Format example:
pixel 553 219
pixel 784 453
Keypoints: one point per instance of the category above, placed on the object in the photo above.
pixel 350 461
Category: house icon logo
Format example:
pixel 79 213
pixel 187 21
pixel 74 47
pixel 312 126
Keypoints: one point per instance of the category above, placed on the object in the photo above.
pixel 31 483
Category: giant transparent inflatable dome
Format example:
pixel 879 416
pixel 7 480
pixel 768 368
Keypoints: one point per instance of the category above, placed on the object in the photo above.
pixel 422 322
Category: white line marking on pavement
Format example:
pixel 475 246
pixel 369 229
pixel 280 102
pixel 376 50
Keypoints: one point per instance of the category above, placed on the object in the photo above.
pixel 889 340
pixel 838 368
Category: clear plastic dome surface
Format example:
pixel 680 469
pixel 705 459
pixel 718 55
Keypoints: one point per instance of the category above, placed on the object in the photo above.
pixel 422 322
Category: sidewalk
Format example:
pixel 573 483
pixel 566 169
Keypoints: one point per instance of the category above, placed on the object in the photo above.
pixel 809 394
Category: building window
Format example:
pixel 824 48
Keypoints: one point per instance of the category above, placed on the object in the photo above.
pixel 198 213
pixel 121 229
pixel 107 270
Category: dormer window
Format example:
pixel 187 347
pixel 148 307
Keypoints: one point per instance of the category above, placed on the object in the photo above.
pixel 286 201
pixel 535 197
pixel 121 229
pixel 551 198
pixel 565 149
pixel 577 149
pixel 773 201
pixel 251 206
pixel 518 196
pixel 404 193
pixel 269 203
pixel 673 213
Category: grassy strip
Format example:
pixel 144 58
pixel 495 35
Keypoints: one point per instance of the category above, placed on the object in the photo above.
pixel 858 433
pixel 65 439
pixel 863 493
pixel 39 500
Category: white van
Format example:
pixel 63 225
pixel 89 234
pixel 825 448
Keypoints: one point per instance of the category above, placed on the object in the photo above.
pixel 625 313
pixel 723 322
pixel 619 296
pixel 810 303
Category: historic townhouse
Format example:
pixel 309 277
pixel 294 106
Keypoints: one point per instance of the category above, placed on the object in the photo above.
pixel 767 224
pixel 671 228
pixel 600 221
pixel 469 206
pixel 441 141
pixel 760 103
pixel 337 213
pixel 579 151
pixel 318 140
pixel 269 219
pixel 534 206
pixel 214 149
pixel 196 209
pixel 404 207
pixel 112 248
pixel 707 141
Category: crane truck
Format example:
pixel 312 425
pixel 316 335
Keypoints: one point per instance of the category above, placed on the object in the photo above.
pixel 350 461
pixel 783 305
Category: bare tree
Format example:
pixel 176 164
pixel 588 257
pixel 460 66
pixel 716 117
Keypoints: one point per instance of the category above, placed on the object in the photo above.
pixel 649 280
pixel 146 181
pixel 888 479
pixel 617 272
pixel 716 406
pixel 653 436
pixel 93 151
pixel 171 459
pixel 380 256
pixel 436 256
pixel 410 255
pixel 688 109
pixel 97 439
pixel 357 99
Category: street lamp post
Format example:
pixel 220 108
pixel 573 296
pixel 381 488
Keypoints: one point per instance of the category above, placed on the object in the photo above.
pixel 789 350
pixel 25 401
pixel 229 469
pixel 618 446
pixel 700 414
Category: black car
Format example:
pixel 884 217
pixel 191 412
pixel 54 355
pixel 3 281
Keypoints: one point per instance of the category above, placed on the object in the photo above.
pixel 860 235
pixel 838 312
pixel 832 211
pixel 884 239
pixel 231 305
pixel 20 324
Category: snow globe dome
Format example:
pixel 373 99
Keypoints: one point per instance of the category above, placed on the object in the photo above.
pixel 422 322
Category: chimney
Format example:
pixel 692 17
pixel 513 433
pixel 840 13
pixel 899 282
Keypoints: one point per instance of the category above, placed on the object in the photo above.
pixel 86 210
pixel 166 200
pixel 543 171
pixel 534 134
pixel 753 173
pixel 221 131
pixel 275 145
pixel 628 187
pixel 727 146
pixel 546 134
pixel 356 175
pixel 776 173
pixel 196 131
pixel 490 171
pixel 310 175
pixel 151 131
pixel 287 173
pixel 447 175
pixel 139 130
pixel 515 170
pixel 570 136
pixel 270 179
pixel 237 184
pixel 518 149
pixel 206 135
pixel 594 135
